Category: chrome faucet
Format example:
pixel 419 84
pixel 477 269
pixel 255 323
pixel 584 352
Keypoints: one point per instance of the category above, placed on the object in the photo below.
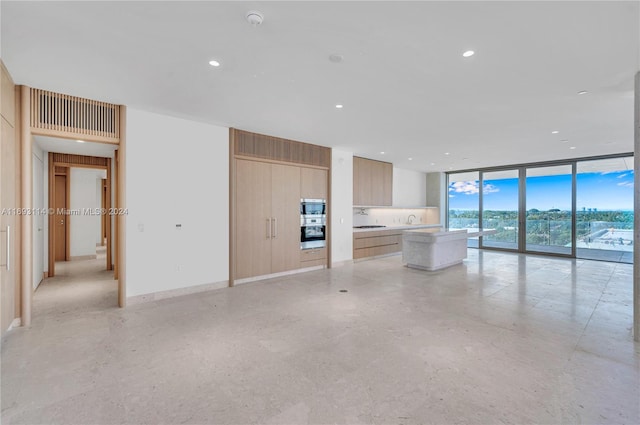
pixel 409 221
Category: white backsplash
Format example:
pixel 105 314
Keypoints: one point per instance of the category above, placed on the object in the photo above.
pixel 394 216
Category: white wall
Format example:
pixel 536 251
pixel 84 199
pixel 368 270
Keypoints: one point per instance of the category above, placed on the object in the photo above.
pixel 395 216
pixel 82 197
pixel 177 173
pixel 38 220
pixel 437 193
pixel 341 206
pixel 409 188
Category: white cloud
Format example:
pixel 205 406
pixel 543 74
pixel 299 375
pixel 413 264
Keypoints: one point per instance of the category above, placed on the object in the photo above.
pixel 471 188
pixel 626 184
pixel 489 188
pixel 623 175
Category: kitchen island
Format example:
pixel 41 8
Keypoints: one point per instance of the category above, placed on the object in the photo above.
pixel 436 248
pixel 376 241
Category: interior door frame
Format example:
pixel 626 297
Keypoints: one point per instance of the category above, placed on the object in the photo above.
pixel 52 205
pixel 26 132
pixel 52 238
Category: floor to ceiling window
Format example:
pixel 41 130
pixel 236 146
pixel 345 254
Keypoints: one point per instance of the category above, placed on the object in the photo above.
pixel 604 216
pixel 577 208
pixel 463 213
pixel 500 198
pixel 549 209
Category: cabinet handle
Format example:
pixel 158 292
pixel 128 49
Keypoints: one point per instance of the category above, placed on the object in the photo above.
pixel 274 227
pixel 268 228
pixel 8 263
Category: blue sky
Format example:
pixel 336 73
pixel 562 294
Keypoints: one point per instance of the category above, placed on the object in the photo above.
pixel 604 191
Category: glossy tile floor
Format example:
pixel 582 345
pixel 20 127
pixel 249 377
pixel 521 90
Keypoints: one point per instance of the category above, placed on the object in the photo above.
pixel 504 338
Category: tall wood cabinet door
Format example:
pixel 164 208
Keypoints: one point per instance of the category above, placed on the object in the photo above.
pixel 356 181
pixel 8 226
pixel 387 184
pixel 365 187
pixel 253 218
pixel 313 183
pixel 285 207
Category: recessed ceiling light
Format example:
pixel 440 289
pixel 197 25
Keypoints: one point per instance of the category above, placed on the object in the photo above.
pixel 433 163
pixel 555 132
pixel 80 141
pixel 468 53
pixel 410 159
pixel 254 17
pixel 339 106
pixel 446 153
pixel 572 147
pixel 583 92
pixel 214 63
pixel 381 153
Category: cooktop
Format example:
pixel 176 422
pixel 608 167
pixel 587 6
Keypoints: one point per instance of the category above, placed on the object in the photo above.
pixel 371 226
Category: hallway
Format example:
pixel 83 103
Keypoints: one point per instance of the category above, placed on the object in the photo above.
pixel 80 286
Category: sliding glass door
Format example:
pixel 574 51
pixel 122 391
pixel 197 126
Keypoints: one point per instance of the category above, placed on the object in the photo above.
pixel 500 208
pixel 549 209
pixel 604 216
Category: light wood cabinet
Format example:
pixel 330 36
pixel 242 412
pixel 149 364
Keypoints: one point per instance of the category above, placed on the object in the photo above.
pixel 7 97
pixel 376 242
pixel 313 257
pixel 253 218
pixel 313 183
pixel 267 218
pixel 372 182
pixel 285 210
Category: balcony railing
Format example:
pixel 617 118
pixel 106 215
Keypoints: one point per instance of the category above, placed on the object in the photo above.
pixel 593 235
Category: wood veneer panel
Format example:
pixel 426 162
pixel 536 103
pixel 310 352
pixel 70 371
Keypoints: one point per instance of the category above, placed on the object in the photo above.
pixel 268 147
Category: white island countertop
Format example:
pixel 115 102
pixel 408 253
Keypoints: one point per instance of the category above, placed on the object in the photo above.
pixel 437 248
pixel 433 233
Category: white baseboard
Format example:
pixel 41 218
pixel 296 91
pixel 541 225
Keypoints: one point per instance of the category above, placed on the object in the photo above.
pixel 375 257
pixel 341 263
pixel 15 324
pixel 154 296
pixel 272 275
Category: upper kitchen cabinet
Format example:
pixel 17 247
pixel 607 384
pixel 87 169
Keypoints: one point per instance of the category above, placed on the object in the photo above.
pixel 372 182
pixel 313 183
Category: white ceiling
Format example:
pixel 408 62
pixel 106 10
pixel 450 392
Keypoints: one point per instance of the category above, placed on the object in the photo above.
pixel 405 86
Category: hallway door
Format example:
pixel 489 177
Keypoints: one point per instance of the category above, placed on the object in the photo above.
pixel 60 220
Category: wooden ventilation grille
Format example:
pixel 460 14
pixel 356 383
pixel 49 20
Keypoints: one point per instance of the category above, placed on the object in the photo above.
pixel 81 160
pixel 274 148
pixel 56 114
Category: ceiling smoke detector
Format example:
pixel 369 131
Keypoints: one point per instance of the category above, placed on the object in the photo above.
pixel 254 17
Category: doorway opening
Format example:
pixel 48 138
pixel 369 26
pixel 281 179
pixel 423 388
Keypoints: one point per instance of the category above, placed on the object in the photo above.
pixel 73 243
